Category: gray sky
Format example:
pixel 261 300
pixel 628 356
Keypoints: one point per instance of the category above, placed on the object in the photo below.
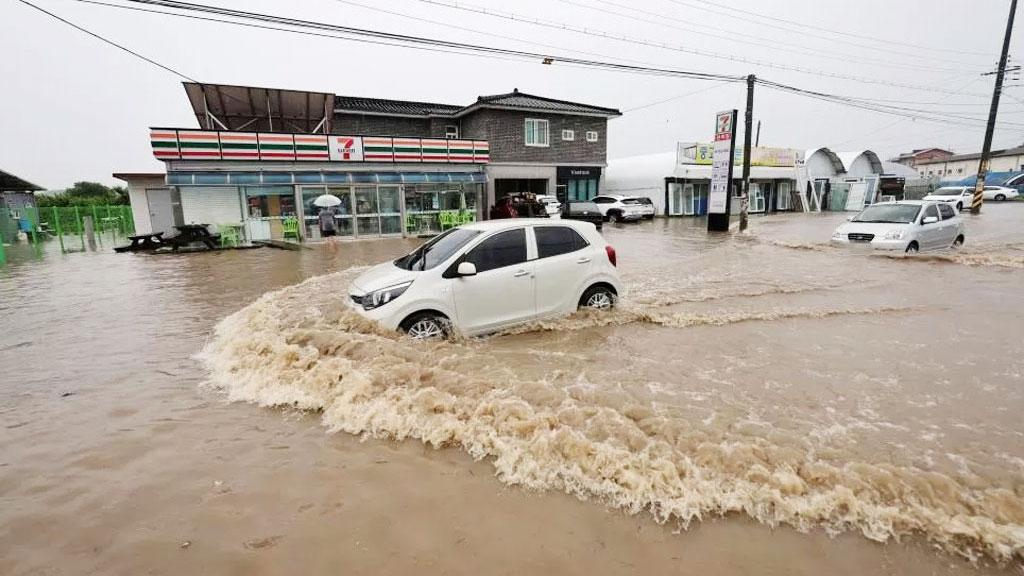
pixel 77 109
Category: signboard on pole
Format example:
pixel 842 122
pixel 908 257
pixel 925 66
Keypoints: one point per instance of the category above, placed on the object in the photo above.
pixel 721 170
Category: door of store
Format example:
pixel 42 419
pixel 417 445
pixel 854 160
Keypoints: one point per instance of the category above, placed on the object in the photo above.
pixel 161 210
pixel 365 211
pixel 266 207
pixel 675 199
pixel 689 200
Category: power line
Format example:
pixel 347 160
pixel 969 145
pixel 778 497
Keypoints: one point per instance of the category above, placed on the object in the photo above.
pixel 677 97
pixel 813 27
pixel 561 26
pixel 763 42
pixel 107 41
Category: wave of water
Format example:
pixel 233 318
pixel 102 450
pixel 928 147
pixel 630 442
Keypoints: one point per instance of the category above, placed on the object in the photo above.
pixel 296 348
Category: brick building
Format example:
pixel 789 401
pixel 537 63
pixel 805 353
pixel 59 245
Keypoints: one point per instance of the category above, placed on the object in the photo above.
pixel 263 155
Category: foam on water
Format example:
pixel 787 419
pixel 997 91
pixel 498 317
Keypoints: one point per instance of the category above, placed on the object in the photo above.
pixel 297 347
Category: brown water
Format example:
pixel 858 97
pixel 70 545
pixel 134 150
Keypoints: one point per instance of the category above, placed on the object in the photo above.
pixel 745 383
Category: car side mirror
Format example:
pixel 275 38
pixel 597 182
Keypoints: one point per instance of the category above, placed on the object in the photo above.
pixel 466 269
pixel 927 220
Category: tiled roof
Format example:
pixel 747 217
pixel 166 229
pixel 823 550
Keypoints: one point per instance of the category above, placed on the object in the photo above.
pixel 397 107
pixel 517 99
pixel 514 99
pixel 1017 151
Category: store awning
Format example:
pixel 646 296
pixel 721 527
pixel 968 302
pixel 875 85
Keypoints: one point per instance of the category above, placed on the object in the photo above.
pixel 11 183
pixel 224 107
pixel 703 172
pixel 303 178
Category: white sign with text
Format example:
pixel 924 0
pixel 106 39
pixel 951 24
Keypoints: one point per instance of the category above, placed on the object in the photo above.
pixel 721 165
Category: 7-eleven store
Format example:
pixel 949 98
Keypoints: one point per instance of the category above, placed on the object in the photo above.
pixel 388 186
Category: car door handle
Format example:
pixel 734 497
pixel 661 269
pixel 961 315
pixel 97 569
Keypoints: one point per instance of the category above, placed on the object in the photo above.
pixel 520 273
pixel 583 260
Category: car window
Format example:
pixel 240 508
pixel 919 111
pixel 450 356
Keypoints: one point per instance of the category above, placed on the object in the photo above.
pixel 602 200
pixel 555 240
pixel 631 201
pixel 575 207
pixel 947 211
pixel 437 250
pixel 503 249
pixel 930 211
pixel 991 187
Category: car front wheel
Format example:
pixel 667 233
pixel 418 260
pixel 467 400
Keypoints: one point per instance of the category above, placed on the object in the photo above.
pixel 1000 197
pixel 613 217
pixel 912 248
pixel 599 298
pixel 959 206
pixel 426 326
pixel 958 242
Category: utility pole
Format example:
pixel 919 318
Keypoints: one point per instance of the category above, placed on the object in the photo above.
pixel 757 137
pixel 748 121
pixel 986 149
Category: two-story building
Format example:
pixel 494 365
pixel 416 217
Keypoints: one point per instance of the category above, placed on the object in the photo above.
pixel 263 156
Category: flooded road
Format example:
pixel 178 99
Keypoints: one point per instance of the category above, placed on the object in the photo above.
pixel 744 384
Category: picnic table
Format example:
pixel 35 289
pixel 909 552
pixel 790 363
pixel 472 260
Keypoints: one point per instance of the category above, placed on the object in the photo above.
pixel 189 233
pixel 142 242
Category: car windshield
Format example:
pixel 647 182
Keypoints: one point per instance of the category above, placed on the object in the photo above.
pixel 892 213
pixel 947 192
pixel 437 250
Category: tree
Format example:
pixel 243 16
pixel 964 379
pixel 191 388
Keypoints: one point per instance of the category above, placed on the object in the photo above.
pixel 85 194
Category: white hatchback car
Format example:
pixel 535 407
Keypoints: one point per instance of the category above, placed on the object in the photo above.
pixel 487 276
pixel 907 226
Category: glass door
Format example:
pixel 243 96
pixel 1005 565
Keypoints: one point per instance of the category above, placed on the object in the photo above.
pixel 756 198
pixel 390 201
pixel 675 199
pixel 690 200
pixel 782 199
pixel 342 212
pixel 367 211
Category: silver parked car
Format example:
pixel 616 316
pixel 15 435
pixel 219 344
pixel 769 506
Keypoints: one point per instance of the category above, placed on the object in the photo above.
pixel 908 226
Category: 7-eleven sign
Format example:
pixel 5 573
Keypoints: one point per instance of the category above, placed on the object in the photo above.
pixel 346 148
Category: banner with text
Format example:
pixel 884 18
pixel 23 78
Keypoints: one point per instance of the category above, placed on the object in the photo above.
pixel 721 164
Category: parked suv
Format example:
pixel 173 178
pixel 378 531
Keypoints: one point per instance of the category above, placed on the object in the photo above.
pixel 583 210
pixel 646 204
pixel 487 276
pixel 614 209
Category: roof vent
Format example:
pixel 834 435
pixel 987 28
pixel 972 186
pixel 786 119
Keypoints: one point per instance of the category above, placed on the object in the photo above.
pixel 515 90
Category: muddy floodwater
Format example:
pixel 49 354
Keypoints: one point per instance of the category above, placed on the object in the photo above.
pixel 757 404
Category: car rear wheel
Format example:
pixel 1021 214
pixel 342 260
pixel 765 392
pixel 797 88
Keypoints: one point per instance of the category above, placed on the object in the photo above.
pixel 599 298
pixel 912 248
pixel 614 217
pixel 426 326
pixel 958 242
pixel 1000 197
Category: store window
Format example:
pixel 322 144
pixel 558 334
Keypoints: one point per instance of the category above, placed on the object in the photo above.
pixel 424 204
pixel 568 135
pixel 537 132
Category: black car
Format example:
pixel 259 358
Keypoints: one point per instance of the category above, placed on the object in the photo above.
pixel 583 210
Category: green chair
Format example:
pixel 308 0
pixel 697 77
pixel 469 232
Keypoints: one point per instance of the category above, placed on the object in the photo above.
pixel 411 225
pixel 229 235
pixel 449 219
pixel 290 228
pixel 467 217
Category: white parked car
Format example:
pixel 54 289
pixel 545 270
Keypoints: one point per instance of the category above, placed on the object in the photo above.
pixel 645 203
pixel 958 196
pixel 999 193
pixel 551 205
pixel 614 209
pixel 487 276
pixel 907 226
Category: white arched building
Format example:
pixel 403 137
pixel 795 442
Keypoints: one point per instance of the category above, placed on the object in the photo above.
pixel 838 181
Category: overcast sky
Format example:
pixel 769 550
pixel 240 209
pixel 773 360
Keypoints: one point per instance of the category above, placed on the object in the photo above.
pixel 74 108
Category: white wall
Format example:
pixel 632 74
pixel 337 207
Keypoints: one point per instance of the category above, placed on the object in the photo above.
pixel 859 168
pixel 641 176
pixel 819 165
pixel 137 186
pixel 210 205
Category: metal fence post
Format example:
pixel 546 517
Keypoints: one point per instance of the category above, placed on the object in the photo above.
pixel 78 224
pixel 57 228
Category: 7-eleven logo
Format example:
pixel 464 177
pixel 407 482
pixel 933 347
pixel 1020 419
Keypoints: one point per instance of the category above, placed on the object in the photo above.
pixel 347 148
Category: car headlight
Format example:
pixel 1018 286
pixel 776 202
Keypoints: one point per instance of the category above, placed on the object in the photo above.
pixel 837 235
pixel 378 298
pixel 894 235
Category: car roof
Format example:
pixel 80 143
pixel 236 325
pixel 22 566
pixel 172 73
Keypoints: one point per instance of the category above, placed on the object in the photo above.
pixel 493 225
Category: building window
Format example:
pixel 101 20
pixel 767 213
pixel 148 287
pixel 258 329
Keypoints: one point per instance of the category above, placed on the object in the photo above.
pixel 568 135
pixel 959 170
pixel 591 136
pixel 451 132
pixel 537 132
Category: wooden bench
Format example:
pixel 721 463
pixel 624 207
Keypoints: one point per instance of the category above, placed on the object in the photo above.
pixel 143 242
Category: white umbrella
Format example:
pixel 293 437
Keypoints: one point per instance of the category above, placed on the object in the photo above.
pixel 326 200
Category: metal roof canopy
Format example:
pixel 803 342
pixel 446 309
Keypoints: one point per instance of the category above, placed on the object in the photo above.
pixel 11 183
pixel 226 107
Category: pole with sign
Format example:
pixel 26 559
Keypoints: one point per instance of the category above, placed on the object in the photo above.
pixel 721 172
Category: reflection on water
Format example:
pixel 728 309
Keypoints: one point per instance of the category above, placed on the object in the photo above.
pixel 769 375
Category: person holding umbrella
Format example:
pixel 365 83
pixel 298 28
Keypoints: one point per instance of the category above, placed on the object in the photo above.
pixel 327 202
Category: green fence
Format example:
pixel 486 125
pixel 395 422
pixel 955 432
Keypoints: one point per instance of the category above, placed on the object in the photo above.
pixel 109 221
